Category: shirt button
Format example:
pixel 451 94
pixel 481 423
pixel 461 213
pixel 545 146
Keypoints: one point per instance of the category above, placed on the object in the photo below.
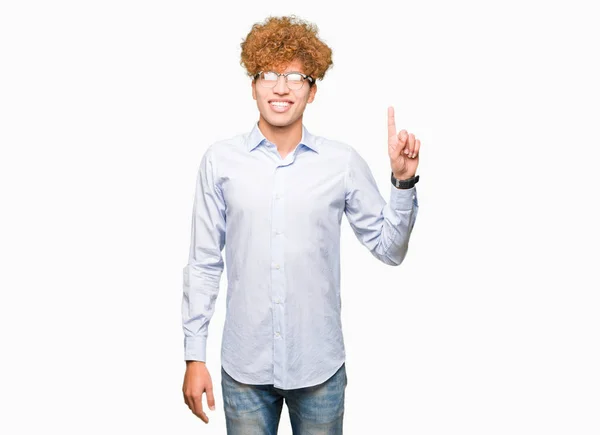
pixel 277 334
pixel 277 196
pixel 278 233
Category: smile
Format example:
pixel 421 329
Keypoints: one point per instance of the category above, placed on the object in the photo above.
pixel 280 106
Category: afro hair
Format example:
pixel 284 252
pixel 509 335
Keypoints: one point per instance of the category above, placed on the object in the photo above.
pixel 280 40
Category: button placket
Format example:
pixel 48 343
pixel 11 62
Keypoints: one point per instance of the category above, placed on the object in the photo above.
pixel 278 271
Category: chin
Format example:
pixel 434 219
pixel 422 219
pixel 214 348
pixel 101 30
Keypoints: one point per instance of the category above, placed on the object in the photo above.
pixel 278 122
pixel 281 123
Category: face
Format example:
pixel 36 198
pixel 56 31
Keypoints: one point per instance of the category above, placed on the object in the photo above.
pixel 283 115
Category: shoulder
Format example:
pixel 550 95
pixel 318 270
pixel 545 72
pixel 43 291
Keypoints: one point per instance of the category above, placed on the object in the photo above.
pixel 221 150
pixel 333 147
pixel 224 146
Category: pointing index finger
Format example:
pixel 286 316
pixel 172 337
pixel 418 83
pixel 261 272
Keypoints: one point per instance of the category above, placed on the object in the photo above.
pixel 391 122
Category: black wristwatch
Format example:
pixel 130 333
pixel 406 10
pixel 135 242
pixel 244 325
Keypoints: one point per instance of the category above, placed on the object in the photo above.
pixel 405 184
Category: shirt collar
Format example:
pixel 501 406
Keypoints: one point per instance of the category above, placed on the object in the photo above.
pixel 255 138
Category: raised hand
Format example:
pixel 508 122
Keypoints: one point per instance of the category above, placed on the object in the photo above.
pixel 403 149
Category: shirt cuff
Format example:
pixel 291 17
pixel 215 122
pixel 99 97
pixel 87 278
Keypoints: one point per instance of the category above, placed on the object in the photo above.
pixel 402 199
pixel 195 348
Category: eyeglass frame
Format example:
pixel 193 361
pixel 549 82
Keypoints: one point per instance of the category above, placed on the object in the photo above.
pixel 311 81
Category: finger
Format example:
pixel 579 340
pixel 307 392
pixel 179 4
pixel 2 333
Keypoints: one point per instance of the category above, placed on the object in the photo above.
pixel 188 401
pixel 197 404
pixel 417 148
pixel 411 145
pixel 210 398
pixel 402 140
pixel 391 123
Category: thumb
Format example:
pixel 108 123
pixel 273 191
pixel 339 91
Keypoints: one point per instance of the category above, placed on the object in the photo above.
pixel 210 398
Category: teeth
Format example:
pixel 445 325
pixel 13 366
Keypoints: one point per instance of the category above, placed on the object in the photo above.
pixel 280 103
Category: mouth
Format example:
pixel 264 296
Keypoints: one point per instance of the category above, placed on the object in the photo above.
pixel 280 106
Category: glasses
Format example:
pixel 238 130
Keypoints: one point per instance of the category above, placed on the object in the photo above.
pixel 294 80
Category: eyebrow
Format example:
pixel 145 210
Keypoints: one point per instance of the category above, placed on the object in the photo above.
pixel 288 72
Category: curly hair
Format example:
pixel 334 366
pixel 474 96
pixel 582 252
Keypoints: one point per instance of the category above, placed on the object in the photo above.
pixel 280 40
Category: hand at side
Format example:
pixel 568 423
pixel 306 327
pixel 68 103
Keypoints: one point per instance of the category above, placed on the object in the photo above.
pixel 196 382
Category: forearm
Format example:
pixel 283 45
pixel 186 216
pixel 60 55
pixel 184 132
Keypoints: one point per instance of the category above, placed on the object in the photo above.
pixel 200 291
pixel 400 215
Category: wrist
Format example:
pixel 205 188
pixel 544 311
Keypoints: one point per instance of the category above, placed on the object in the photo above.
pixel 402 177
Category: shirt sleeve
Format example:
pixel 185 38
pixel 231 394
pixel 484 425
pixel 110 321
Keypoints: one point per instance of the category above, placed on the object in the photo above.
pixel 202 274
pixel 383 228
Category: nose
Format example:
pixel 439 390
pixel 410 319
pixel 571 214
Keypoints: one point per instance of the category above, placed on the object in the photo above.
pixel 281 86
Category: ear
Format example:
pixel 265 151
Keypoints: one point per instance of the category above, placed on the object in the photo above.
pixel 254 89
pixel 312 93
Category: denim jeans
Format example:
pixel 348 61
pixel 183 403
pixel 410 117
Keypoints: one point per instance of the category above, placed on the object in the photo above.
pixel 256 409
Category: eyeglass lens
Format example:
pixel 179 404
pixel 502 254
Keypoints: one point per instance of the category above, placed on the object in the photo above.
pixel 269 80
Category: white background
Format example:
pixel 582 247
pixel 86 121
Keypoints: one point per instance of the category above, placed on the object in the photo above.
pixel 490 326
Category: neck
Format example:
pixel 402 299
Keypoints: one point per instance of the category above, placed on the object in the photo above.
pixel 286 138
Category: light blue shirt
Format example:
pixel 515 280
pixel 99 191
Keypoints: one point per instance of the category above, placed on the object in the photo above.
pixel 279 221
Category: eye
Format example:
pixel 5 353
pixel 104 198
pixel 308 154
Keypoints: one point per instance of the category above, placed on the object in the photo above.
pixel 269 75
pixel 294 77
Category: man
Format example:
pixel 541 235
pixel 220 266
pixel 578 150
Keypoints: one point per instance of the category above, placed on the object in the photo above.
pixel 277 195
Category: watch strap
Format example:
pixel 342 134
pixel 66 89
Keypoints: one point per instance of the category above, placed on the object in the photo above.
pixel 405 184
